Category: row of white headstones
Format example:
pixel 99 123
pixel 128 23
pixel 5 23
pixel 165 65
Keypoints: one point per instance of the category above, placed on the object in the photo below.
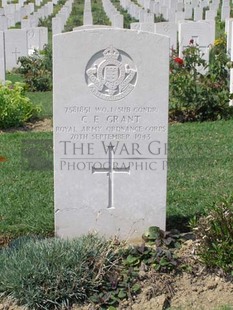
pixel 32 37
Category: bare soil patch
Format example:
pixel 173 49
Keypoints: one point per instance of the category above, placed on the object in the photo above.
pixel 41 125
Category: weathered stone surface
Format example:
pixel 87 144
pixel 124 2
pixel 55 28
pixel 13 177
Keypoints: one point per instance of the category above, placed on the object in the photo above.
pixel 110 131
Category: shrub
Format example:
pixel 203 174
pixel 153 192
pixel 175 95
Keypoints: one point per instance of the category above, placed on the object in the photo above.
pixel 45 22
pixel 52 273
pixel 15 107
pixel 37 70
pixel 215 235
pixel 199 92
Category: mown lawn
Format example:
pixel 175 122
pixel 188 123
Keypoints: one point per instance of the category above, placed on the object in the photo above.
pixel 26 197
pixel 200 173
pixel 200 167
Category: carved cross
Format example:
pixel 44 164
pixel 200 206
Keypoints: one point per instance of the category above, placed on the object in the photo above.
pixel 16 52
pixel 110 172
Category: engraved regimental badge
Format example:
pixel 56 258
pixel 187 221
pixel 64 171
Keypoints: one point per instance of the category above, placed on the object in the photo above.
pixel 111 74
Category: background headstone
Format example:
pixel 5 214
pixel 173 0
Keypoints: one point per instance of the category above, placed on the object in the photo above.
pixel 2 57
pixel 36 38
pixel 168 29
pixel 202 33
pixel 15 46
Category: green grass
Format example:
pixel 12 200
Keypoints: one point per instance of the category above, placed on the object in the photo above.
pixel 199 167
pixel 26 197
pixel 199 174
pixel 14 77
pixel 43 99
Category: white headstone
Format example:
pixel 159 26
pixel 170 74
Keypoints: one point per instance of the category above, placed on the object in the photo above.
pixel 118 21
pixel 3 23
pixel 188 12
pixel 17 16
pixel 202 33
pixel 37 2
pixel 23 13
pixel 31 7
pixel 15 46
pixel 149 27
pixel 2 57
pixel 210 14
pixel 43 31
pixel 180 7
pixel 25 24
pixel 4 3
pixel 231 70
pixel 110 131
pixel 56 25
pixel 168 29
pixel 87 18
pixel 50 7
pixel 33 20
pixel 195 3
pixel 37 38
pixel 165 12
pixel 10 20
pixel 225 13
pixel 228 31
pixel 198 14
pixel 90 27
pixel 179 17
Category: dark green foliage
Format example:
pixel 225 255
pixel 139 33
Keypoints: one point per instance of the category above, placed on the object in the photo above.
pixel 15 107
pixel 215 236
pixel 157 254
pixel 47 54
pixel 200 95
pixel 159 18
pixel 46 22
pixel 76 17
pixel 37 70
pixel 98 13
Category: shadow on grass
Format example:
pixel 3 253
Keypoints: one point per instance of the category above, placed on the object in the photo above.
pixel 180 222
